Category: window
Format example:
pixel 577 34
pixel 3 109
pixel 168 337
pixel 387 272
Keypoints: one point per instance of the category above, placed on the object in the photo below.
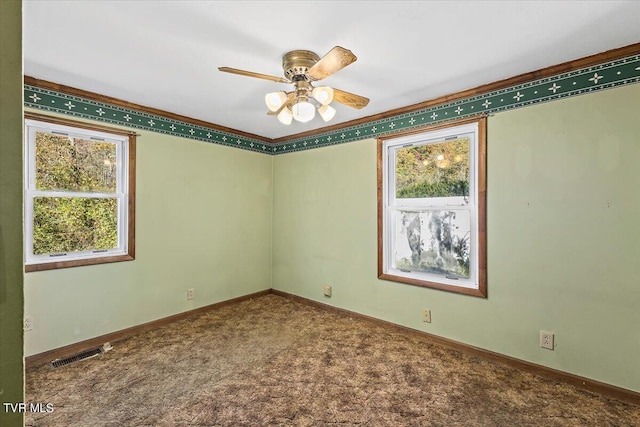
pixel 79 194
pixel 431 208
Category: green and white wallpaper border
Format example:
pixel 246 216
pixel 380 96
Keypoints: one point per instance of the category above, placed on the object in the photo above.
pixel 598 77
pixel 615 73
pixel 49 100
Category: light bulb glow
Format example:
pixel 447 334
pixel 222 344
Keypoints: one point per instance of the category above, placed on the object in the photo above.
pixel 285 116
pixel 274 100
pixel 442 162
pixel 303 111
pixel 323 94
pixel 327 112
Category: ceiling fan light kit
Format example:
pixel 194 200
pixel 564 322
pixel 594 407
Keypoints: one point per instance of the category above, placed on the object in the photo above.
pixel 301 68
pixel 285 116
pixel 274 100
pixel 327 112
pixel 303 110
pixel 323 94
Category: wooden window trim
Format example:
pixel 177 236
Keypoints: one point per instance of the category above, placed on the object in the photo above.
pixel 131 219
pixel 481 291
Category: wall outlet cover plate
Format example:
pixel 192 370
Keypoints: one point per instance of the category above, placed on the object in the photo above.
pixel 546 340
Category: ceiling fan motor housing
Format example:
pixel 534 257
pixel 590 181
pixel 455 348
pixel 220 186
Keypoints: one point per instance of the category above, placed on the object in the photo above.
pixel 296 64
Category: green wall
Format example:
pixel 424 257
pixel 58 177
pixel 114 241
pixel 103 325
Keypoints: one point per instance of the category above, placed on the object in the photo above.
pixel 11 276
pixel 203 221
pixel 563 239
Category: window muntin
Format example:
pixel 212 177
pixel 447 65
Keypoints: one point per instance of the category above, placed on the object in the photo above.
pixel 430 210
pixel 78 195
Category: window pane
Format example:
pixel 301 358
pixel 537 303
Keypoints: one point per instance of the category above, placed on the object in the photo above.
pixel 74 224
pixel 433 170
pixel 72 164
pixel 436 242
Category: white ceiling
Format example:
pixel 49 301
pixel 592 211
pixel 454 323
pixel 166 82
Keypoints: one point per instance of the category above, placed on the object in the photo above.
pixel 165 54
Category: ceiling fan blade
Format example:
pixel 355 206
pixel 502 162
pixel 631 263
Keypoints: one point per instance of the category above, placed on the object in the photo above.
pixel 290 97
pixel 252 74
pixel 334 61
pixel 350 99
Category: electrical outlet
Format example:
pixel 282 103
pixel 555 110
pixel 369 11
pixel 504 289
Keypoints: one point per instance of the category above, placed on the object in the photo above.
pixel 191 293
pixel 28 323
pixel 546 340
pixel 426 315
pixel 326 290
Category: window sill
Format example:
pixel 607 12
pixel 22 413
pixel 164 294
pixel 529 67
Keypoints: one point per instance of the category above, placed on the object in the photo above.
pixel 476 292
pixel 76 263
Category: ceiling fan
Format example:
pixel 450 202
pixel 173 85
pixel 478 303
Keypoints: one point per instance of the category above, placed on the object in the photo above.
pixel 302 68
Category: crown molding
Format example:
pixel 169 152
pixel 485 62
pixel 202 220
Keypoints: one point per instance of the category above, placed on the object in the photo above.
pixel 605 70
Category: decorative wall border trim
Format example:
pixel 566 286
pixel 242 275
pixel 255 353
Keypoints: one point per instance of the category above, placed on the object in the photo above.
pixel 611 74
pixel 77 106
pixel 598 72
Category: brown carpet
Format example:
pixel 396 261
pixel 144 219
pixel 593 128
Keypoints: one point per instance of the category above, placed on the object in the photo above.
pixel 272 361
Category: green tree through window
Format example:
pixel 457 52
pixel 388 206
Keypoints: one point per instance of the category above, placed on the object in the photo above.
pixel 74 224
pixel 433 170
pixel 78 208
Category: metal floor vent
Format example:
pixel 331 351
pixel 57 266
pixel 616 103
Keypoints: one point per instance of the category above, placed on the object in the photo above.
pixel 87 354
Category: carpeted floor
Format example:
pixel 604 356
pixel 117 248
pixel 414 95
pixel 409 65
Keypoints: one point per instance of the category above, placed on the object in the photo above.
pixel 272 361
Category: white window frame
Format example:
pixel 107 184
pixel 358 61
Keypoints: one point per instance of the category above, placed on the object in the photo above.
pixel 123 170
pixel 475 204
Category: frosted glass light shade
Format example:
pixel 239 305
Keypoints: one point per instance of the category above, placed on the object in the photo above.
pixel 327 112
pixel 274 100
pixel 285 116
pixel 303 111
pixel 323 94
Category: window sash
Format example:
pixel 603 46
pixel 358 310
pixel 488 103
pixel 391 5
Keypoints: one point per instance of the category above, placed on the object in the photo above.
pixel 393 205
pixel 392 147
pixel 120 249
pixel 121 192
pixel 120 142
pixel 391 249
